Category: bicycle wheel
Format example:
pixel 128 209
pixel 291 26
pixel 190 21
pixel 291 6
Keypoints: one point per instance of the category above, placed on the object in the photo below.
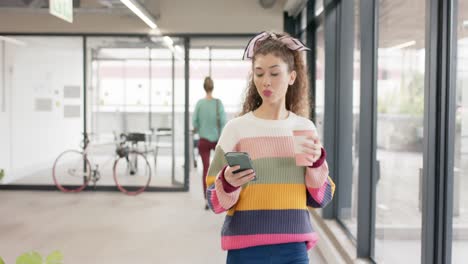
pixel 132 173
pixel 71 171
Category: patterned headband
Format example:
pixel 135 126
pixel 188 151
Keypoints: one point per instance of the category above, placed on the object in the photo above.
pixel 290 42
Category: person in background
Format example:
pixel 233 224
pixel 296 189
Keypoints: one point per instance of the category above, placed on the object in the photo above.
pixel 267 219
pixel 208 121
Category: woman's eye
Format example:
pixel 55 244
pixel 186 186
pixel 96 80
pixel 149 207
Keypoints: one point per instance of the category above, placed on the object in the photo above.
pixel 274 74
pixel 259 74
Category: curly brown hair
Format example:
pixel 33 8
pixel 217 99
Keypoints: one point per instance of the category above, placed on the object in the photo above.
pixel 297 96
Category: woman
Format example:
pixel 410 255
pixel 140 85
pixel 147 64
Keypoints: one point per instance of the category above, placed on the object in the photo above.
pixel 268 218
pixel 208 121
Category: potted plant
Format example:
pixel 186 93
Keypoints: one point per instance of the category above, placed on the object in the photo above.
pixel 35 258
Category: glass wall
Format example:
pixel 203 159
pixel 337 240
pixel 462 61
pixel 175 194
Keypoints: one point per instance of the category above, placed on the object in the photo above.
pixel 221 59
pixel 134 85
pixel 319 103
pixel 229 73
pixel 178 103
pixel 460 197
pixel 400 89
pixel 138 86
pixel 349 215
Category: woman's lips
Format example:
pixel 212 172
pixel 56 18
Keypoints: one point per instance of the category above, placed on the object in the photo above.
pixel 267 93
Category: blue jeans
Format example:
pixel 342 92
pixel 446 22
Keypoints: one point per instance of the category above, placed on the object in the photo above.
pixel 291 253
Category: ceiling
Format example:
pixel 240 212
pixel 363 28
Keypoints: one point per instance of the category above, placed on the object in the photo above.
pixel 400 21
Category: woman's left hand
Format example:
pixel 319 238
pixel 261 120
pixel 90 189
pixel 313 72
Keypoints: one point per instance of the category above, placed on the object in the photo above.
pixel 313 147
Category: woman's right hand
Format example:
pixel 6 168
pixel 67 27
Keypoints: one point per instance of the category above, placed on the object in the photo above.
pixel 240 178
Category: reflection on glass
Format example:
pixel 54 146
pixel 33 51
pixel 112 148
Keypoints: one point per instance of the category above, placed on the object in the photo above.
pixel 400 131
pixel 348 212
pixel 460 197
pixel 134 87
pixel 319 104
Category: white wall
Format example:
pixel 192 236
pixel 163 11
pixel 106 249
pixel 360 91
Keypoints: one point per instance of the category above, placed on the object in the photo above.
pixel 176 16
pixel 41 69
pixel 4 115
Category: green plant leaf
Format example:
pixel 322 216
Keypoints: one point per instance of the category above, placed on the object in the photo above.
pixel 55 257
pixel 1 261
pixel 29 258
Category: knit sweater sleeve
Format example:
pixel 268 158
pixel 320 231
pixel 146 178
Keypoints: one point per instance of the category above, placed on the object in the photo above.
pixel 320 187
pixel 219 198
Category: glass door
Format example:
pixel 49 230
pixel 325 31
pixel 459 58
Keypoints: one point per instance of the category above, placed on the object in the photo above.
pixel 138 89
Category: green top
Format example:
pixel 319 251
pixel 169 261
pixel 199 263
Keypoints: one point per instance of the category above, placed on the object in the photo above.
pixel 205 118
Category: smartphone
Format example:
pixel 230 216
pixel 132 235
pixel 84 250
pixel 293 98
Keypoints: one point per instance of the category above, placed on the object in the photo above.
pixel 239 158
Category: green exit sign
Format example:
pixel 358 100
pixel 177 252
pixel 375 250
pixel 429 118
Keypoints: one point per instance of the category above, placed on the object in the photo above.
pixel 62 9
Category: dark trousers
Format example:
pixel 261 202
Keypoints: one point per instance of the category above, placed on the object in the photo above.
pixel 290 253
pixel 204 148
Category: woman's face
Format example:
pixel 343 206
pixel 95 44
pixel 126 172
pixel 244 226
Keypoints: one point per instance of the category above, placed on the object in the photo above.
pixel 272 78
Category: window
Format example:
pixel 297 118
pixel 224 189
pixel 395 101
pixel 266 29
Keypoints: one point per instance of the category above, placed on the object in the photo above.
pixel 400 131
pixel 319 104
pixel 460 197
pixel 348 211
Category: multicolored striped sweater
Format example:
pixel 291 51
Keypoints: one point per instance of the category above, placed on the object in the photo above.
pixel 272 209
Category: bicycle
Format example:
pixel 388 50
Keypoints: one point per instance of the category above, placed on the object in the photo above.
pixel 73 171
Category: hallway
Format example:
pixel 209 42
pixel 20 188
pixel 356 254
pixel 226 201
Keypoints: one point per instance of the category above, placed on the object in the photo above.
pixel 109 227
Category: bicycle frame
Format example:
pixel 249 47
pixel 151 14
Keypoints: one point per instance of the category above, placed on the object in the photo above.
pixel 91 171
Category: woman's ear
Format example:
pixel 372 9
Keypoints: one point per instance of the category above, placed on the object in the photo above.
pixel 292 77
